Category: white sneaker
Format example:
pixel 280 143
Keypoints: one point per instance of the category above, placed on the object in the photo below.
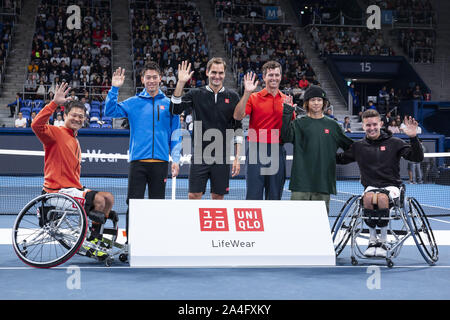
pixel 381 251
pixel 371 249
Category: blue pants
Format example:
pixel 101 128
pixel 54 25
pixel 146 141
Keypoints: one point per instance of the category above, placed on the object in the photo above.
pixel 265 180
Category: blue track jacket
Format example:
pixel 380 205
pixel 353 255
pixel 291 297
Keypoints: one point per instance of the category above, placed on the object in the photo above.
pixel 151 125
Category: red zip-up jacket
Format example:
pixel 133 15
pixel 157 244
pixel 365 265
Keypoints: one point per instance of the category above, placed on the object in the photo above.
pixel 62 161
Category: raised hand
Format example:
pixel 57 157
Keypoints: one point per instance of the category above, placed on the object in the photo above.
pixel 118 77
pixel 184 72
pixel 250 82
pixel 289 100
pixel 410 126
pixel 61 91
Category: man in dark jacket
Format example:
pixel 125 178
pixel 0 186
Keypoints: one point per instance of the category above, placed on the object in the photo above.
pixel 378 157
pixel 212 107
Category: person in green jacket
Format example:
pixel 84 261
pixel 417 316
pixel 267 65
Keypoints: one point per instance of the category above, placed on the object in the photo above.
pixel 316 139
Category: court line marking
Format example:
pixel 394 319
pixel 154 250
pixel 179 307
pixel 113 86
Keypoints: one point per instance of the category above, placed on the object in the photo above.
pixel 439 220
pixel 367 265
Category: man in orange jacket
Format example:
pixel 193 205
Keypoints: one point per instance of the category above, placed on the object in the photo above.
pixel 62 161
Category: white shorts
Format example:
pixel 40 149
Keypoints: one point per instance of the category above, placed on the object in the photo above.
pixel 77 194
pixel 394 192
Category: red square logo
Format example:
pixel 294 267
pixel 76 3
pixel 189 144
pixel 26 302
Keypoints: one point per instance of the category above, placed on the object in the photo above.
pixel 248 219
pixel 81 201
pixel 227 100
pixel 383 148
pixel 327 131
pixel 213 219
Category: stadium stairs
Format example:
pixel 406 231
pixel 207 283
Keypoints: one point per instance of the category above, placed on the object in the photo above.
pixel 18 59
pixel 320 68
pixel 215 38
pixel 216 43
pixel 437 75
pixel 121 50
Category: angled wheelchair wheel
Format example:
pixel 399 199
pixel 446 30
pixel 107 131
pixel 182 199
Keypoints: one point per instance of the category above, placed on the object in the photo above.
pixel 343 226
pixel 421 231
pixel 49 230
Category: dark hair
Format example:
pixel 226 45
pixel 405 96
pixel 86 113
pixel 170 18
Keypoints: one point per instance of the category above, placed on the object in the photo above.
pixel 270 65
pixel 326 104
pixel 151 65
pixel 370 113
pixel 74 104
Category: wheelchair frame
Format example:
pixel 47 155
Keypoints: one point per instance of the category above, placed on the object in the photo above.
pixel 349 225
pixel 53 227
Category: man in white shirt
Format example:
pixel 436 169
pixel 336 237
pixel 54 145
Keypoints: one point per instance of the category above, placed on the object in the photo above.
pixel 59 120
pixel 21 122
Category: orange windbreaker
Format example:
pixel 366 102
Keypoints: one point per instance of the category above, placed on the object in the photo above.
pixel 62 161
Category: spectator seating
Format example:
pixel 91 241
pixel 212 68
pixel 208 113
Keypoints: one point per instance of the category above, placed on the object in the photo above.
pixel 7 20
pixel 250 45
pixel 80 57
pixel 168 33
pixel 348 41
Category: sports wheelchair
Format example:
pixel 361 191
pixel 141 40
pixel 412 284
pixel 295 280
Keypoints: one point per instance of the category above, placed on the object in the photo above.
pixel 406 219
pixel 53 227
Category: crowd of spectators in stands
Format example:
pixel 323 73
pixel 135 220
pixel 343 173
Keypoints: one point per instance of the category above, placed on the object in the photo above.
pixel 409 11
pixel 251 45
pixel 169 36
pixel 387 100
pixel 241 8
pixel 349 41
pixel 418 44
pixel 80 57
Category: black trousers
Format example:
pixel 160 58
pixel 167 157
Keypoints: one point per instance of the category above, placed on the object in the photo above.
pixel 146 174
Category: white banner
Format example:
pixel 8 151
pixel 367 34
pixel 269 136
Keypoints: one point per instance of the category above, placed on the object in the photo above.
pixel 227 233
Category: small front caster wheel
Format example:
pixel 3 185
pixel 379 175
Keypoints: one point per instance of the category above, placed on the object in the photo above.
pixel 390 264
pixel 123 257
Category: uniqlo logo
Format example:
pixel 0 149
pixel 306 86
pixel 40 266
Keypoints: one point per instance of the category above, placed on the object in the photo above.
pixel 248 219
pixel 327 131
pixel 227 100
pixel 383 148
pixel 213 219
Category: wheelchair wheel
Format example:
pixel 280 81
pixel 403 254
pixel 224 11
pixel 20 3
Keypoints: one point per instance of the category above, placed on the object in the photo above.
pixel 343 225
pixel 421 231
pixel 49 230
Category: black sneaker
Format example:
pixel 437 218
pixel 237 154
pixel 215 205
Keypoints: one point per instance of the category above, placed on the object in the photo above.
pixel 113 216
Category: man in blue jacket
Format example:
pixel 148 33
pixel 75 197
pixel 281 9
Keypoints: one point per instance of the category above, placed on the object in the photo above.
pixel 152 133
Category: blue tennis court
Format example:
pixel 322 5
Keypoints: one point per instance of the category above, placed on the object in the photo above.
pixel 83 278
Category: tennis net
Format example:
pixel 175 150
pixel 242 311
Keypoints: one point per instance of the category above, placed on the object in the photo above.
pixel 21 179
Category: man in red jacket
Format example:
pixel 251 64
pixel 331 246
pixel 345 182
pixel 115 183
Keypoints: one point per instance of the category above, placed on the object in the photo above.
pixel 62 161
